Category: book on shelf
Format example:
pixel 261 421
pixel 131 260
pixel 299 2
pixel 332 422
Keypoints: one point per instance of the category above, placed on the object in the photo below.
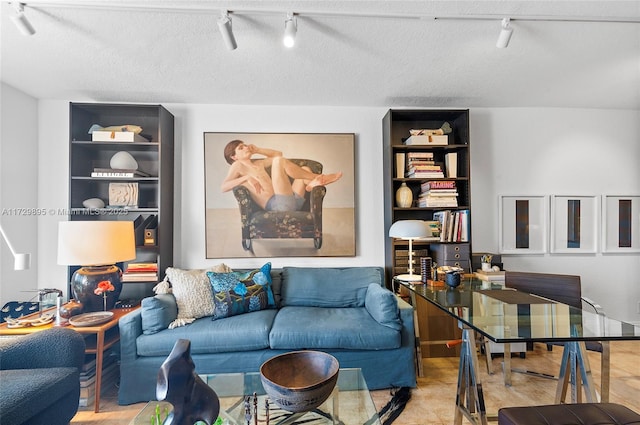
pixel 426 175
pixel 436 203
pixel 444 184
pixel 118 172
pixel 454 225
pixel 139 277
pixel 419 155
pixel 400 165
pixel 142 267
pixel 451 164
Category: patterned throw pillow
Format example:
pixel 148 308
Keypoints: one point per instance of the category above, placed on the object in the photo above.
pixel 241 292
pixel 192 291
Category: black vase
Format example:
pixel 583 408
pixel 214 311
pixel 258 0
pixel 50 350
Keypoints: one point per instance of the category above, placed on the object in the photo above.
pixel 84 282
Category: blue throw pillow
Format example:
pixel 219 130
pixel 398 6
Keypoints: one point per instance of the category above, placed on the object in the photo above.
pixel 241 292
pixel 157 312
pixel 382 306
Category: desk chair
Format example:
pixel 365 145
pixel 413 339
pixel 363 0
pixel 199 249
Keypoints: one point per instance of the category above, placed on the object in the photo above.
pixel 565 289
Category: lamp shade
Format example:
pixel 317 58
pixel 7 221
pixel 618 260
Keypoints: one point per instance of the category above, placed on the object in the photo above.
pixel 95 243
pixel 409 229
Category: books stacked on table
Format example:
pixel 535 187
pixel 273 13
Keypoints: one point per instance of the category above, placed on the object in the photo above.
pixel 439 194
pixel 140 272
pixel 110 372
pixel 491 276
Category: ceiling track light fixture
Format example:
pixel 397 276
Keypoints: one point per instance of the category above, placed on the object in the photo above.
pixel 290 29
pixel 226 30
pixel 505 34
pixel 20 20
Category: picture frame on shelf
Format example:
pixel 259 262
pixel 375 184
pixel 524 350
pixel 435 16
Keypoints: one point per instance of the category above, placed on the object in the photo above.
pixel 523 223
pixel 621 224
pixel 574 224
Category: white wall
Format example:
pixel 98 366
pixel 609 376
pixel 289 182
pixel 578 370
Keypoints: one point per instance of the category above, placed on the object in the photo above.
pixel 18 190
pixel 515 151
pixel 523 151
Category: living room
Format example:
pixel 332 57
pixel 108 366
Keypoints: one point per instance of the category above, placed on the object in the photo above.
pixel 568 135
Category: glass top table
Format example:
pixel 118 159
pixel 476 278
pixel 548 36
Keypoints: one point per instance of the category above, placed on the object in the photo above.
pixel 504 315
pixel 350 402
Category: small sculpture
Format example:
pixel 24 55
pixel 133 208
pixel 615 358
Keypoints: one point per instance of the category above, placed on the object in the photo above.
pixel 179 384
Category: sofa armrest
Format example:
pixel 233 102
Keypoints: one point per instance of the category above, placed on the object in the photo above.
pixel 406 315
pixel 130 329
pixel 55 347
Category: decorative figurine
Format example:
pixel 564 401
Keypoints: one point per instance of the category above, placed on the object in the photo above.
pixel 178 383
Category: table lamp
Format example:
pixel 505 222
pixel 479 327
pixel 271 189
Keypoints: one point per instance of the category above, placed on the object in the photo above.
pixel 20 261
pixel 96 246
pixel 410 230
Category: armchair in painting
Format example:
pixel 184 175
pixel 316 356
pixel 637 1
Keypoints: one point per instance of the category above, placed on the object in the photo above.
pixel 305 223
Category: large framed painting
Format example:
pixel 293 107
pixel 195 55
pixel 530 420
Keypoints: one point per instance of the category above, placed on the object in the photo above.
pixel 279 195
pixel 575 224
pixel 523 224
pixel 621 224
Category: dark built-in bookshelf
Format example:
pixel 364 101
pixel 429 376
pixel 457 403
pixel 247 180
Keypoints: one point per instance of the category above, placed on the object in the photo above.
pixel 453 211
pixel 154 155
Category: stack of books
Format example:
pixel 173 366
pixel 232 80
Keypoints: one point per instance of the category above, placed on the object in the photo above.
pixel 491 276
pixel 438 194
pixel 110 371
pixel 454 225
pixel 140 272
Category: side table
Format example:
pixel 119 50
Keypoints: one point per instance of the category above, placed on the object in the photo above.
pixel 97 338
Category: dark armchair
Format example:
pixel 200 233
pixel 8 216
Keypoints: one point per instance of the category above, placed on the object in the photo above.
pixel 40 377
pixel 260 224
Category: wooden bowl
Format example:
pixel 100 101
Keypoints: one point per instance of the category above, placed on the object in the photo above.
pixel 299 381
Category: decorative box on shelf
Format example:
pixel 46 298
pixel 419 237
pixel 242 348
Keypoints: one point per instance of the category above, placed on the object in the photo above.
pixel 430 140
pixel 116 136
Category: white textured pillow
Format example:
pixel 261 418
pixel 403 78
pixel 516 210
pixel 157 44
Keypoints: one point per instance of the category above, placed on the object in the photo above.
pixel 193 293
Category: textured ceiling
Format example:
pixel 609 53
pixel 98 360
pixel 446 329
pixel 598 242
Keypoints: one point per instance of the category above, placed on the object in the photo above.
pixel 172 52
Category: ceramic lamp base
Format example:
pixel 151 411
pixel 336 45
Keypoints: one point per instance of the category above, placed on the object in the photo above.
pixel 85 280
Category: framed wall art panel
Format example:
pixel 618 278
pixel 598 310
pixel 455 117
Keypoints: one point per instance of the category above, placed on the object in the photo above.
pixel 621 224
pixel 574 224
pixel 279 195
pixel 523 224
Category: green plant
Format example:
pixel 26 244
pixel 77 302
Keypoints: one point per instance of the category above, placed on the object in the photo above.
pixel 157 418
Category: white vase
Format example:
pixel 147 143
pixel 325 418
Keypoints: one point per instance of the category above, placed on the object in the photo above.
pixel 404 196
pixel 486 267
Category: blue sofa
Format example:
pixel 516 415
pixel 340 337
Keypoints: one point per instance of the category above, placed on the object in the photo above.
pixel 40 377
pixel 346 312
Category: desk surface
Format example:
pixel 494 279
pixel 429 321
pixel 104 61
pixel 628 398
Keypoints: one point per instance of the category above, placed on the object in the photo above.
pixel 505 315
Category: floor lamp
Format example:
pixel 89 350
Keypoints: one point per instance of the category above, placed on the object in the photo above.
pixel 410 230
pixel 20 261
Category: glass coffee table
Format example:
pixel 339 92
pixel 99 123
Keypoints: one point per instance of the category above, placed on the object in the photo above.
pixel 349 403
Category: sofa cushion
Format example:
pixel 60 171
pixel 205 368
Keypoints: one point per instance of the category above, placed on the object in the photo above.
pixel 246 332
pixel 330 328
pixel 193 293
pixel 328 287
pixel 26 392
pixel 382 306
pixel 241 292
pixel 158 312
